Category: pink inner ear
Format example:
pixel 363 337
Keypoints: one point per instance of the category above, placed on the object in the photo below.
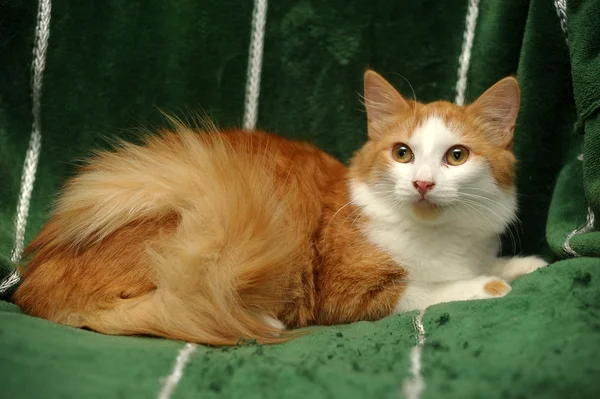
pixel 382 100
pixel 499 107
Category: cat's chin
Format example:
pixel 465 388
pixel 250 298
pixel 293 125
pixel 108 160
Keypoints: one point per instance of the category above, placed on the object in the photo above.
pixel 426 210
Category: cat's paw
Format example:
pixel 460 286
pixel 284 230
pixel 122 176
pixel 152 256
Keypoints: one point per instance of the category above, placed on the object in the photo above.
pixel 483 287
pixel 531 263
pixel 419 296
pixel 512 268
pixel 489 287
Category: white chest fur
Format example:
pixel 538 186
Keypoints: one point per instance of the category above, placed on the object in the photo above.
pixel 433 253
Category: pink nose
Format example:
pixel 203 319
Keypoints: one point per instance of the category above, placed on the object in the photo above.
pixel 423 187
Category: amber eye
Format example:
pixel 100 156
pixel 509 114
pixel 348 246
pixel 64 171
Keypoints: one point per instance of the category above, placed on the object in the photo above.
pixel 456 155
pixel 402 153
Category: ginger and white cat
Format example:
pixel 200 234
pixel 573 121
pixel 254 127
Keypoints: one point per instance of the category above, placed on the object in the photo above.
pixel 215 236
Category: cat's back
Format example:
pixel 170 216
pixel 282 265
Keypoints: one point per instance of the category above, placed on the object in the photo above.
pixel 180 155
pixel 285 154
pixel 297 166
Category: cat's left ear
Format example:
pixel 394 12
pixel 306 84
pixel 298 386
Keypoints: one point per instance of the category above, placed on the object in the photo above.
pixel 498 108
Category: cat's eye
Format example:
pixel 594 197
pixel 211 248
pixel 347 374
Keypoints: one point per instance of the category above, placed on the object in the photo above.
pixel 402 153
pixel 456 155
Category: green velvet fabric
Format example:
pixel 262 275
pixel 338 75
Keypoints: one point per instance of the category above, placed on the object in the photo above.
pixel 111 65
pixel 584 38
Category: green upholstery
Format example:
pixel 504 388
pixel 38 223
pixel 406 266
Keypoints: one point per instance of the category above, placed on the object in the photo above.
pixel 112 64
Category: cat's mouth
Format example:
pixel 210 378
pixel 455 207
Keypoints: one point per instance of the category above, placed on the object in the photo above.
pixel 425 203
pixel 425 209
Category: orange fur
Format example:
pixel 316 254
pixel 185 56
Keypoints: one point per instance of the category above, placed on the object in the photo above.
pixel 199 236
pixel 195 236
pixel 496 288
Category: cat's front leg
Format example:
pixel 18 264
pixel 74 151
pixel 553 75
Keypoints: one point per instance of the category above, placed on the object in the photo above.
pixel 510 269
pixel 422 295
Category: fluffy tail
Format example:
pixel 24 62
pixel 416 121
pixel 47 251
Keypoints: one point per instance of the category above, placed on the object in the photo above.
pixel 219 272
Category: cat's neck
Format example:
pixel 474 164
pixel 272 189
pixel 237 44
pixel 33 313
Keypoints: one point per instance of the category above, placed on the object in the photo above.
pixel 423 247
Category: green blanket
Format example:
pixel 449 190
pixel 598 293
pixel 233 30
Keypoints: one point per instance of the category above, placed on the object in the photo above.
pixel 109 65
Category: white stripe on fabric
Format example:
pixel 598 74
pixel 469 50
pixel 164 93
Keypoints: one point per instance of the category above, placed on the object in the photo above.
pixel 561 11
pixel 42 34
pixel 415 385
pixel 170 382
pixel 9 281
pixel 465 54
pixel 255 58
pixel 585 228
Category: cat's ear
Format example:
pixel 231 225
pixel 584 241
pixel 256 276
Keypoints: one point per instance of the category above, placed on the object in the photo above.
pixel 383 103
pixel 498 108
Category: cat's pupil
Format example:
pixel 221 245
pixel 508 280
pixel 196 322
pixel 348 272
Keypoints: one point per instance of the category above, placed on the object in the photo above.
pixel 457 154
pixel 402 152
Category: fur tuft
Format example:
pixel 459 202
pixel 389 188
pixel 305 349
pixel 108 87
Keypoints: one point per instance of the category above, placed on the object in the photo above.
pixel 202 231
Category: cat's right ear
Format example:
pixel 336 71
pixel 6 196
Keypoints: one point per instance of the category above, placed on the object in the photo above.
pixel 383 103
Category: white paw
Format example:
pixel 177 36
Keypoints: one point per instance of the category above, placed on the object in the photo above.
pixel 517 267
pixel 486 287
pixel 531 263
pixel 419 296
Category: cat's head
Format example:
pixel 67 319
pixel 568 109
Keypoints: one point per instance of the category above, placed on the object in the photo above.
pixel 437 162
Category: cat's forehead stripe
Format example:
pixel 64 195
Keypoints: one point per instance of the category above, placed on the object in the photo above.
pixel 432 133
